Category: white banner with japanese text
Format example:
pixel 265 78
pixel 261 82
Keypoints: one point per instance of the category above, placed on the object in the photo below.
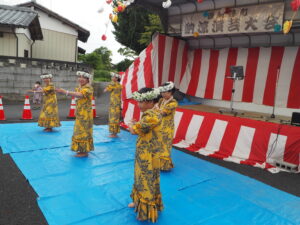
pixel 246 19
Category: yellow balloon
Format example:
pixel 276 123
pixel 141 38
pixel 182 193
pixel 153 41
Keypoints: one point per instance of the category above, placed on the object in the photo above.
pixel 195 34
pixel 115 19
pixel 287 26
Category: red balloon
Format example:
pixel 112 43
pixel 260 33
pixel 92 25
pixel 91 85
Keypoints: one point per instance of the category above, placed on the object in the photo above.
pixel 227 10
pixel 199 1
pixel 120 8
pixel 103 37
pixel 108 1
pixel 295 4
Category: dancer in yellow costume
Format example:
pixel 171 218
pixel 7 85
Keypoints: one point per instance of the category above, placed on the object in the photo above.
pixel 82 140
pixel 146 195
pixel 167 106
pixel 115 89
pixel 49 113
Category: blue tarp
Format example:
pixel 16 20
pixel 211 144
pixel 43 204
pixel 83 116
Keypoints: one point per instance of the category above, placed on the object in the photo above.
pixel 19 137
pixel 95 190
pixel 185 101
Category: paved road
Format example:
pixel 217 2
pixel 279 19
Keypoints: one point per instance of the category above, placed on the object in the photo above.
pixel 18 204
pixel 13 110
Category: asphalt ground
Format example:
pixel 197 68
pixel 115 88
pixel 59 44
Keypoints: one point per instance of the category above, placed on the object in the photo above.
pixel 18 205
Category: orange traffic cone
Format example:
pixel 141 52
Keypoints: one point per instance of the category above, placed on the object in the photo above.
pixel 2 115
pixel 27 111
pixel 94 108
pixel 72 109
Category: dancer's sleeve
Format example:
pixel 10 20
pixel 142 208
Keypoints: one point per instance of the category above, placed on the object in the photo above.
pixel 169 108
pixel 146 124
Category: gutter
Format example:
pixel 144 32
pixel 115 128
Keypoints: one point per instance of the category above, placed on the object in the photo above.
pixel 76 50
pixel 17 41
pixel 31 48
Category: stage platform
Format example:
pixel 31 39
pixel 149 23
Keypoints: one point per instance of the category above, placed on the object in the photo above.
pixel 244 139
pixel 95 190
pixel 242 114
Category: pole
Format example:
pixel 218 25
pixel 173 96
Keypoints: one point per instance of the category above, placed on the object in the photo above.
pixel 277 76
pixel 232 92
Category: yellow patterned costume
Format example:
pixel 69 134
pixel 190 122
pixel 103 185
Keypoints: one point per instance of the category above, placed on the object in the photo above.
pixel 49 113
pixel 146 188
pixel 167 109
pixel 114 107
pixel 82 140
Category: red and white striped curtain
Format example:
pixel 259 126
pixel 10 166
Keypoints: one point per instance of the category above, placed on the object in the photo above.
pixel 202 73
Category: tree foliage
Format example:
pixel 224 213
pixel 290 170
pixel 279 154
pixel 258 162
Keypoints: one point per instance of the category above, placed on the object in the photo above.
pixel 127 52
pixel 123 65
pixel 99 59
pixel 153 26
pixel 135 27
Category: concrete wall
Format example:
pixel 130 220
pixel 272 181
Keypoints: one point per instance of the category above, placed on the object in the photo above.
pixel 17 75
pixel 99 88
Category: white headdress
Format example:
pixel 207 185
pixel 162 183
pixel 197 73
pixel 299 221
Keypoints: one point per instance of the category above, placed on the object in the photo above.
pixel 148 96
pixel 84 74
pixel 112 74
pixel 45 76
pixel 170 85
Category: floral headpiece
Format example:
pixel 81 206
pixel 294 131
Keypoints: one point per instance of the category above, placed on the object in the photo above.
pixel 84 74
pixel 148 96
pixel 168 87
pixel 112 74
pixel 45 76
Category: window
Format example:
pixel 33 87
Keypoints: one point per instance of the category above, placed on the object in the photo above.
pixel 26 53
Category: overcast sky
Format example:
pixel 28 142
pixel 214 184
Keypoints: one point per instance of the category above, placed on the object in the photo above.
pixel 84 13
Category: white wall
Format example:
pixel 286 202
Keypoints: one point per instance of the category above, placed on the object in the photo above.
pixel 24 31
pixel 51 23
pixel 24 43
pixel 56 46
pixel 8 44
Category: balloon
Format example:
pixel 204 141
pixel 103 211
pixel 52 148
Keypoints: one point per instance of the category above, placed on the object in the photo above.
pixel 295 4
pixel 196 34
pixel 287 26
pixel 100 10
pixel 103 37
pixel 120 8
pixel 108 1
pixel 199 1
pixel 110 16
pixel 227 10
pixel 167 4
pixel 277 27
pixel 114 19
pixel 205 14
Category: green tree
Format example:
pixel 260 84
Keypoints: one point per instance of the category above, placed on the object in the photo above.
pixel 132 24
pixel 127 52
pixel 105 55
pixel 154 26
pixel 100 58
pixel 92 59
pixel 123 65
